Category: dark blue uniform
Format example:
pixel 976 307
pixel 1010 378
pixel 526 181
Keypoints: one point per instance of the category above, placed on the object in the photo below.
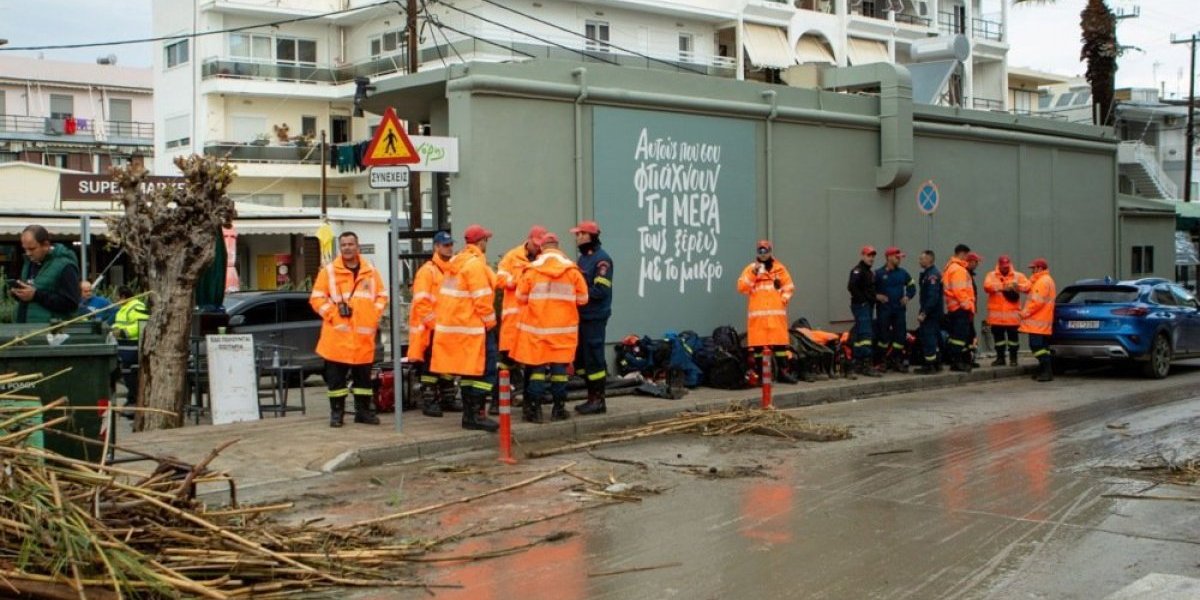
pixel 892 328
pixel 862 306
pixel 597 267
pixel 933 305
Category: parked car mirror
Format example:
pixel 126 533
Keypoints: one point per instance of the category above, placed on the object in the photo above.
pixel 237 320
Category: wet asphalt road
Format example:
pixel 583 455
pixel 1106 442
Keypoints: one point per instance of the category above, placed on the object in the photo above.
pixel 987 491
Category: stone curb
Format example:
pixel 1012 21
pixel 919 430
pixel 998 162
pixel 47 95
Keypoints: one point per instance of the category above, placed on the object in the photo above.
pixel 578 427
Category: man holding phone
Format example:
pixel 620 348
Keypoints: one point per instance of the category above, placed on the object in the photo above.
pixel 49 285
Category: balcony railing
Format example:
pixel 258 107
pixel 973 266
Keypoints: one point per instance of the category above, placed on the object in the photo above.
pixel 951 23
pixel 874 10
pixel 987 104
pixel 238 152
pixel 566 48
pixel 85 130
pixel 988 30
pixel 913 20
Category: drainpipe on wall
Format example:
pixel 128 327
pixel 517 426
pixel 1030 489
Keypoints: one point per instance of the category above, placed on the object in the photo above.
pixel 895 115
pixel 580 74
pixel 771 96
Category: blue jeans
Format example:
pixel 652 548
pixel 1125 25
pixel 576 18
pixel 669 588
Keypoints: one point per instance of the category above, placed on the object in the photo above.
pixel 863 335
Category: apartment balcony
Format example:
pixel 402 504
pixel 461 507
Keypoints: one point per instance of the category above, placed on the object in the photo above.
pixel 273 161
pixel 245 68
pixel 951 23
pixel 76 131
pixel 987 104
pixel 881 11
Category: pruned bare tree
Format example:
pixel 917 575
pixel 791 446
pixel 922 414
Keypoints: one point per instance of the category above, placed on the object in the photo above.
pixel 170 234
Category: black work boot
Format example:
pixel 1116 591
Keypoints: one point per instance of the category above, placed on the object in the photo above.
pixel 364 411
pixel 448 396
pixel 1012 357
pixel 999 362
pixel 431 405
pixel 532 412
pixel 471 419
pixel 337 409
pixel 559 411
pixel 866 368
pixel 898 365
pixel 595 401
pixel 1045 371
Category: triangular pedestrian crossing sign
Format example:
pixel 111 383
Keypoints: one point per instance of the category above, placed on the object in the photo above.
pixel 391 145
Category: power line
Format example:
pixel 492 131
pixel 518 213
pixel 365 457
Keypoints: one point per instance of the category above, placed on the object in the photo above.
pixel 194 34
pixel 576 33
pixel 439 24
pixel 530 35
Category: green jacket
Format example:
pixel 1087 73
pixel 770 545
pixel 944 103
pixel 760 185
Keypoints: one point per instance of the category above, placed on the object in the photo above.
pixel 129 319
pixel 57 283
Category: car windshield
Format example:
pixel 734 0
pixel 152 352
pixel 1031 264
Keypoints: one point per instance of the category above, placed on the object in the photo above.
pixel 1108 294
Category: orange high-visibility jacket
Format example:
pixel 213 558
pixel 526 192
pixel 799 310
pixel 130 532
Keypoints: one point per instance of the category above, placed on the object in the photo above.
pixel 551 292
pixel 508 273
pixel 956 286
pixel 465 312
pixel 348 340
pixel 818 336
pixel 766 321
pixel 1001 310
pixel 426 285
pixel 1038 315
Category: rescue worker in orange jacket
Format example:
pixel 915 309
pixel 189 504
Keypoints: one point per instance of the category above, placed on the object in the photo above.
pixel 958 290
pixel 769 285
pixel 1004 286
pixel 550 291
pixel 464 315
pixel 508 273
pixel 437 391
pixel 1037 318
pixel 350 297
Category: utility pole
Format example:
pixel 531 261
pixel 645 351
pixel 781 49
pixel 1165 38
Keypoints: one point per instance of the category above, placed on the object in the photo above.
pixel 414 128
pixel 1191 131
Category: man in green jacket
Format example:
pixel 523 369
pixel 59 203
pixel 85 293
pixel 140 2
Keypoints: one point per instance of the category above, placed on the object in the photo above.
pixel 49 285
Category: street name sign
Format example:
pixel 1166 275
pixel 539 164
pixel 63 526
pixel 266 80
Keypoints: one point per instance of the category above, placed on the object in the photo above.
pixel 383 178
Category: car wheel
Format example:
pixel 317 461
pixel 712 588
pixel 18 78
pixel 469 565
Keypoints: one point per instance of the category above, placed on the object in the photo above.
pixel 1159 364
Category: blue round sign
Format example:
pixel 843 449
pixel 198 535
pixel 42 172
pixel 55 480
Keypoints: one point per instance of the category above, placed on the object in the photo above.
pixel 927 197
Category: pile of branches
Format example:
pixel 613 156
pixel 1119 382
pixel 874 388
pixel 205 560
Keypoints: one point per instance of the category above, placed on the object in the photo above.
pixel 74 529
pixel 734 420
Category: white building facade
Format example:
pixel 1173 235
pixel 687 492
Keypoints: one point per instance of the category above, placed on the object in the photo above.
pixel 230 89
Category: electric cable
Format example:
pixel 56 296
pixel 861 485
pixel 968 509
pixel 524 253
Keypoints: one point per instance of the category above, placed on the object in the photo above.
pixel 582 53
pixel 610 44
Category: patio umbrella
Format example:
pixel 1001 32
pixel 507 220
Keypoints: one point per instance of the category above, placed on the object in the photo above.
pixel 232 283
pixel 210 288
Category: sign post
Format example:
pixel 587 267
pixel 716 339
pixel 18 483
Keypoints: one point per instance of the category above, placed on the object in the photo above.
pixel 928 199
pixel 389 154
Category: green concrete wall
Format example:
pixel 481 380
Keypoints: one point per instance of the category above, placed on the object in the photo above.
pixel 1027 195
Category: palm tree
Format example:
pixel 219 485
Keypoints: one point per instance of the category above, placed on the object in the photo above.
pixel 1098 27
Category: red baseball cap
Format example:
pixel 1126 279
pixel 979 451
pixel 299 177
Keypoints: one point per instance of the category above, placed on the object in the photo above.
pixel 1004 260
pixel 1039 263
pixel 548 238
pixel 894 251
pixel 867 250
pixel 586 227
pixel 974 257
pixel 535 233
pixel 475 233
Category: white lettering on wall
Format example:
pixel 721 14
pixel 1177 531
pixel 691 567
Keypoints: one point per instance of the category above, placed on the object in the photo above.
pixel 676 185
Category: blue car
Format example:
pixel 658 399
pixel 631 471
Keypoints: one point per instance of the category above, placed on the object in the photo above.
pixel 1146 321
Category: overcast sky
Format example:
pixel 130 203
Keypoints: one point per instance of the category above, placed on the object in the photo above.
pixel 1043 36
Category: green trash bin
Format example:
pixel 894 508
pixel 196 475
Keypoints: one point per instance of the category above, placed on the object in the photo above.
pixel 91 354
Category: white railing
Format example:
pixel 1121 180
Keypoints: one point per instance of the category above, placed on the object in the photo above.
pixel 1145 155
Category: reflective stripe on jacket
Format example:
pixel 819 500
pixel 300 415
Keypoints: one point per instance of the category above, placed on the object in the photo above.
pixel 1001 310
pixel 465 311
pixel 1038 315
pixel 508 273
pixel 957 286
pixel 551 291
pixel 349 340
pixel 767 318
pixel 425 288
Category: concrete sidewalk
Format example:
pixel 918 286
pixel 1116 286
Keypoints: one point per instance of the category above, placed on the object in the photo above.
pixel 295 447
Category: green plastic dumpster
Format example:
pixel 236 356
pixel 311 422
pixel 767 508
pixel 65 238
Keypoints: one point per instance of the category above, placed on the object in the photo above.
pixel 91 355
